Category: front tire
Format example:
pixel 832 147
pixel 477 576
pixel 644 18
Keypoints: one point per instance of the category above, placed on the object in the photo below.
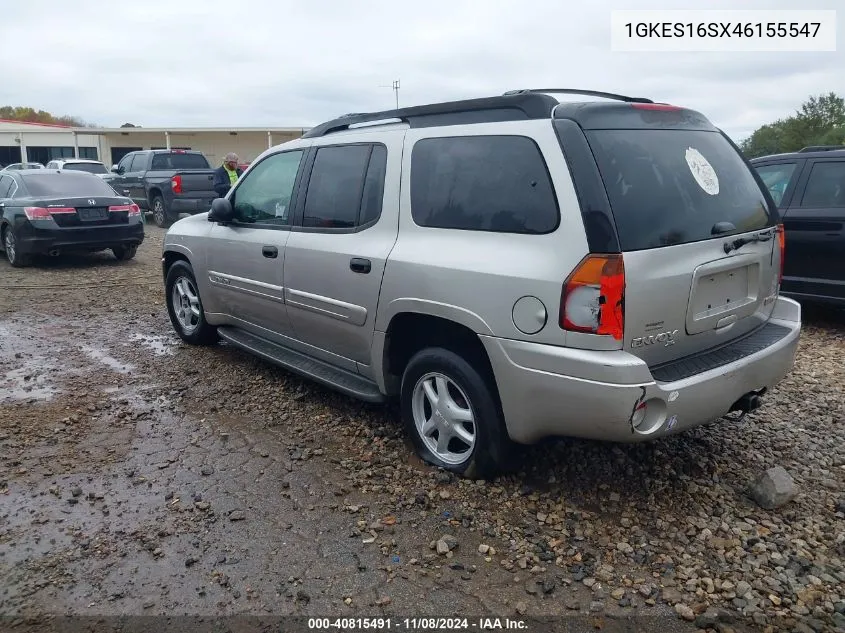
pixel 10 245
pixel 452 415
pixel 185 307
pixel 161 217
pixel 125 252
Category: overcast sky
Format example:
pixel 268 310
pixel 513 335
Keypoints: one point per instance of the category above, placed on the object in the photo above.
pixel 295 63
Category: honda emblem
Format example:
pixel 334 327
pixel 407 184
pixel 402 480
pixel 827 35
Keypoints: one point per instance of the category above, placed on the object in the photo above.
pixel 92 202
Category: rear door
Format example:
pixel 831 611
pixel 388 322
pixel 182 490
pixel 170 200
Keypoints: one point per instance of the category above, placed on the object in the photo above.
pixel 815 231
pixel 336 256
pixel 697 233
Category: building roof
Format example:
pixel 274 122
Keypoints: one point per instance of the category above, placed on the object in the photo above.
pixel 44 127
pixel 192 130
pixel 29 123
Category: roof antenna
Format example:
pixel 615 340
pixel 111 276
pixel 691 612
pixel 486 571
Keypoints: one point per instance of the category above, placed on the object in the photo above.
pixel 395 88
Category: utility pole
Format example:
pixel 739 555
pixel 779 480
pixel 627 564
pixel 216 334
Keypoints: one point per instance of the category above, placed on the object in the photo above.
pixel 395 88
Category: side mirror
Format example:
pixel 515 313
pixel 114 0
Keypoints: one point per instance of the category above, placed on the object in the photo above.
pixel 115 169
pixel 221 211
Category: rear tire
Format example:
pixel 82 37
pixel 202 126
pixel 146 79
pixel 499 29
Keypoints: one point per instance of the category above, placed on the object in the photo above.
pixel 452 415
pixel 124 253
pixel 10 245
pixel 185 307
pixel 161 216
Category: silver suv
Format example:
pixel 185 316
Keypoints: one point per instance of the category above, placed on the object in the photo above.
pixel 510 268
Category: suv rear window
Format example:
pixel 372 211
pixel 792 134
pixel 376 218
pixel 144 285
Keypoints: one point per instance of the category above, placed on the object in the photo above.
pixel 52 184
pixel 179 161
pixel 672 186
pixel 482 183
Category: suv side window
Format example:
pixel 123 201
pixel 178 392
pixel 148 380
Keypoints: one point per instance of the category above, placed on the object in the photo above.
pixel 826 186
pixel 263 196
pixel 776 178
pixel 482 183
pixel 346 186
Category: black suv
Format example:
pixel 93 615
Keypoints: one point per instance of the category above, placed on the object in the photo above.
pixel 809 189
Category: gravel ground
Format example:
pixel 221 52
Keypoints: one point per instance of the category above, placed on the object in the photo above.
pixel 142 476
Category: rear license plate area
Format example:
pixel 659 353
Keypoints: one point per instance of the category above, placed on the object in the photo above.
pixel 726 291
pixel 93 214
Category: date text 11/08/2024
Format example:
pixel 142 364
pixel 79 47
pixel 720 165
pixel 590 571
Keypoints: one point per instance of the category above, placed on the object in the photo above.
pixel 415 624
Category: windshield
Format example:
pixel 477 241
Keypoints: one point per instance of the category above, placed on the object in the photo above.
pixel 65 184
pixel 179 161
pixel 673 186
pixel 91 168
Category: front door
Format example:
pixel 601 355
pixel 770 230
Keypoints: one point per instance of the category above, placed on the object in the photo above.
pixel 335 257
pixel 118 180
pixel 133 179
pixel 246 258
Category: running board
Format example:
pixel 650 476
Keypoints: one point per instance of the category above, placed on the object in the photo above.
pixel 334 377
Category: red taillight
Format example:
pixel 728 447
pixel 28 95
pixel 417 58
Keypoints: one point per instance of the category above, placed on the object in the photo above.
pixel 178 151
pixel 130 209
pixel 782 245
pixel 663 107
pixel 593 297
pixel 176 183
pixel 42 213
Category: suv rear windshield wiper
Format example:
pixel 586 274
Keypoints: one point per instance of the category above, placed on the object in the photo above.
pixel 762 236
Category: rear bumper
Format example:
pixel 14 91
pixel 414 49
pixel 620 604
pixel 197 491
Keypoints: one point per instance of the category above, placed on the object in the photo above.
pixel 190 205
pixel 40 241
pixel 597 395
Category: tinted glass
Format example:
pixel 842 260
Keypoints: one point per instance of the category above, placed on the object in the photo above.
pixel 826 186
pixel 334 190
pixel 264 194
pixel 482 183
pixel 672 186
pixel 179 161
pixel 65 184
pixel 373 196
pixel 5 186
pixel 776 178
pixel 91 168
pixel 126 162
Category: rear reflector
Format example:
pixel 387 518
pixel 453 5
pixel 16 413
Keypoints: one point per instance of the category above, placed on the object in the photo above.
pixel 42 213
pixel 176 183
pixel 131 209
pixel 664 107
pixel 782 245
pixel 593 297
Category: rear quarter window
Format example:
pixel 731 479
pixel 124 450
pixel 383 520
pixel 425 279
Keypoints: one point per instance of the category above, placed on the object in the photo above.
pixel 669 187
pixel 482 183
pixel 776 178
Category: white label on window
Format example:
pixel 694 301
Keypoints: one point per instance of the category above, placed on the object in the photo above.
pixel 702 171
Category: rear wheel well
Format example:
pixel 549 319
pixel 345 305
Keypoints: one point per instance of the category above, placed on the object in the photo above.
pixel 409 332
pixel 153 194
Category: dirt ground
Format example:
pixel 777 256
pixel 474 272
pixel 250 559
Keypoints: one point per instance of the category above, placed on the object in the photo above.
pixel 142 476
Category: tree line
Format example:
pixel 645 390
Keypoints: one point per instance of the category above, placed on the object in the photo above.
pixel 820 121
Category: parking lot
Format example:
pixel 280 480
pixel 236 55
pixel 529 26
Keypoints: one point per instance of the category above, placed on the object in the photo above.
pixel 143 476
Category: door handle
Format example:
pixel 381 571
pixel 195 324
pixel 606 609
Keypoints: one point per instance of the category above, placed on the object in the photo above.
pixel 270 251
pixel 360 265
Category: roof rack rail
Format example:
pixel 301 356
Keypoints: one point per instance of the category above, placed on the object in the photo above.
pixel 515 107
pixel 576 91
pixel 821 148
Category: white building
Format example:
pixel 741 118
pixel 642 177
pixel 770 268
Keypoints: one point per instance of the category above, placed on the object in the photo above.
pixel 41 143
